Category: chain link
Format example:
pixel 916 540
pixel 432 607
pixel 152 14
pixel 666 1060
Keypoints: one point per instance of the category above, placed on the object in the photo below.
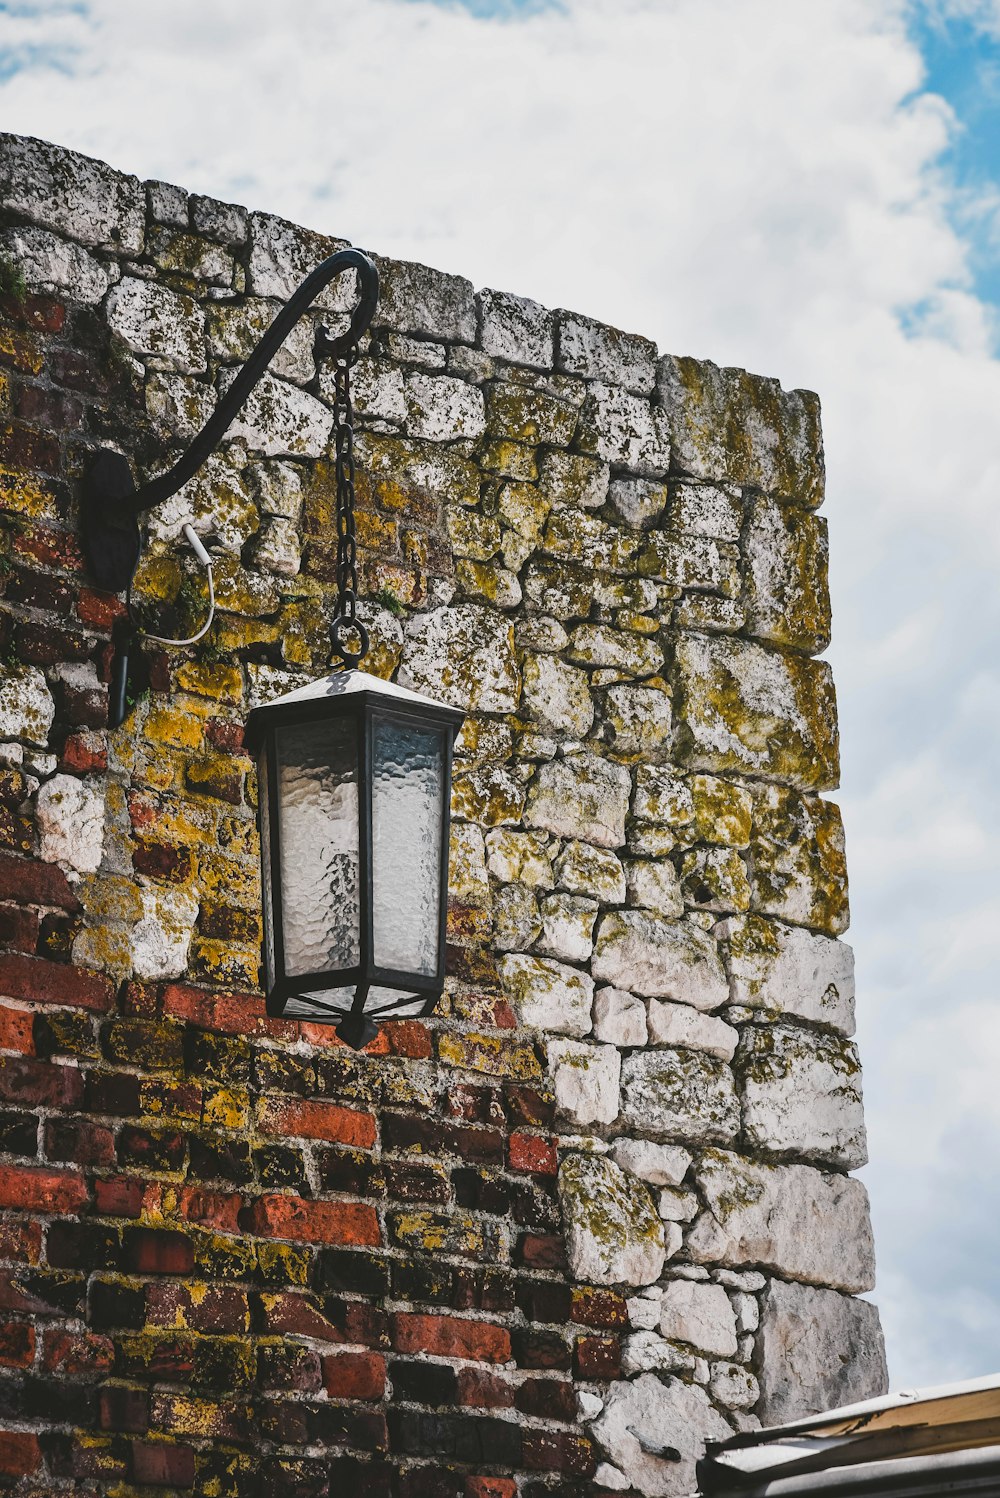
pixel 347 548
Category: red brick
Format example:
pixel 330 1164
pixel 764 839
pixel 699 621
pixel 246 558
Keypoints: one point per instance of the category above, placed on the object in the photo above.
pixel 19 928
pixel 16 1030
pixel 286 1314
pixel 79 1141
pixel 54 983
pixel 159 1251
pixel 605 1309
pixel 99 610
pixel 118 1196
pixel 26 447
pixel 597 1357
pixel 326 1035
pixel 219 1308
pixel 482 1390
pixel 313 1222
pixel 33 1189
pixel 162 1465
pixel 224 735
pixel 21 1242
pixel 121 1408
pixel 50 548
pixel 77 1354
pixel 35 883
pixel 292 1116
pixel 552 1451
pixel 542 1251
pixel 490 1487
pixel 226 1013
pixel 84 752
pixel 408 1037
pixel 17 1344
pixel 450 1337
pixel 354 1375
pixel 218 1210
pixel 40 1083
pixel 20 1453
pixel 533 1154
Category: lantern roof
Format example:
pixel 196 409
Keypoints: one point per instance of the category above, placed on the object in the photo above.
pixel 346 685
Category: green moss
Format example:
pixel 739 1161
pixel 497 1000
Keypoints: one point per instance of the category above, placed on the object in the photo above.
pixel 12 282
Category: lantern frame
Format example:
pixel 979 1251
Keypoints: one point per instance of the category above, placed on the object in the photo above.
pixel 347 695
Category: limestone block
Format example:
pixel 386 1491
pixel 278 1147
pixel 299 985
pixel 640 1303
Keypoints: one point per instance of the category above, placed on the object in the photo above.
pixel 283 254
pixel 582 797
pixel 227 222
pixel 278 549
pixel 653 885
pixel 723 812
pixel 400 472
pixel 517 413
pixel 802 1094
pixel 698 562
pixel 639 502
pixel 584 870
pixel 734 1386
pixel 55 266
pixel 72 194
pixel 160 941
pixel 715 879
pixel 548 995
pixel 699 1314
pixel 280 420
pixel 655 1432
pixel 216 502
pixel 787 592
pixel 568 927
pixel 727 425
pixel 680 1094
pixel 158 324
pixel 516 921
pixel 619 1017
pixel 680 1025
pixel 747 1312
pixel 624 430
pixel 468 880
pixel 757 711
pixel 415 299
pixel 557 695
pixel 660 959
pixel 585 1080
pixel 599 645
pixel 191 257
pixel 816 1351
pixel 167 204
pixel 234 331
pixel 647 1352
pixel 573 480
pixel 789 970
pixel 522 856
pixel 799 860
pixel 473 534
pixel 708 613
pixel 441 408
pixel 637 719
pixel 613 1235
pixel 643 1312
pixel 792 1219
pixel 659 1164
pixel 489 794
pixel 607 1475
pixel 597 352
pixel 706 510
pixel 661 795
pixel 563 590
pixel 516 329
pixel 573 536
pixel 26 705
pixel 377 389
pixel 178 405
pixel 70 816
pixel 677 1206
pixel 464 655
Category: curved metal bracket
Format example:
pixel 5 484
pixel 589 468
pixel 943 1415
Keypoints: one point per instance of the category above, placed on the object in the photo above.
pixel 112 505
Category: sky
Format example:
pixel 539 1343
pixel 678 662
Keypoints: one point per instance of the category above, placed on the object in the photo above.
pixel 808 190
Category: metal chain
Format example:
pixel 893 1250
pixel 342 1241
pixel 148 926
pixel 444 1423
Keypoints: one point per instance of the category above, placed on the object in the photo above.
pixel 346 618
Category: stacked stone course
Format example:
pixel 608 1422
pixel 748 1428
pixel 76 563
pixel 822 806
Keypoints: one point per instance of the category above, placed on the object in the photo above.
pixel 598 1210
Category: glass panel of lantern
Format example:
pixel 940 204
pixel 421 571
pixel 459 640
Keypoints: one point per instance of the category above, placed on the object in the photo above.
pixel 353 808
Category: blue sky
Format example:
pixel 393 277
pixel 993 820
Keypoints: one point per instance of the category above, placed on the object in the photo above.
pixel 805 188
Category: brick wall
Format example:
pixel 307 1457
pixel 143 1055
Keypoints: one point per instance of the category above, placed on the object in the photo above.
pixel 600 1207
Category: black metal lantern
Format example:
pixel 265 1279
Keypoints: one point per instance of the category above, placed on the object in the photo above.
pixel 354 778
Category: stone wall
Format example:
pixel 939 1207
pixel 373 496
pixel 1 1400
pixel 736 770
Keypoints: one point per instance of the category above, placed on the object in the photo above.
pixel 598 1210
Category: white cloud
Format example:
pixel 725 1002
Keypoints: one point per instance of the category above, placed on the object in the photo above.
pixel 754 181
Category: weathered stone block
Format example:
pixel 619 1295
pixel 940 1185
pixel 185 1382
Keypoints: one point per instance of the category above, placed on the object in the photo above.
pixel 792 1219
pixel 715 879
pixel 158 324
pixel 661 959
pixel 280 420
pixel 659 1164
pixel 178 406
pixel 585 1079
pixel 70 815
pixel 377 389
pixel 442 409
pixel 645 1417
pixel 72 194
pixel 799 862
pixel 816 1351
pixel 516 413
pixel 698 562
pixel 684 1095
pixel 772 966
pixel 161 939
pixel 55 266
pixel 613 1235
pixel 624 430
pixel 619 1017
pixel 756 711
pixel 26 705
pixel 557 695
pixel 699 1314
pixel 464 655
pixel 599 645
pixel 637 719
pixel 581 797
pixel 548 995
pixel 584 870
pixel 680 1025
pixel 726 424
pixel 521 856
pixel 597 352
pixel 216 502
pixel 574 480
pixel 235 329
pixel 227 222
pixel 706 510
pixel 283 254
pixel 661 795
pixel 639 502
pixel 567 927
pixel 515 328
pixel 802 1094
pixel 787 556
pixel 416 299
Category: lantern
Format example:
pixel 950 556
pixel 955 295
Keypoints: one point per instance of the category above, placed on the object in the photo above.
pixel 354 777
